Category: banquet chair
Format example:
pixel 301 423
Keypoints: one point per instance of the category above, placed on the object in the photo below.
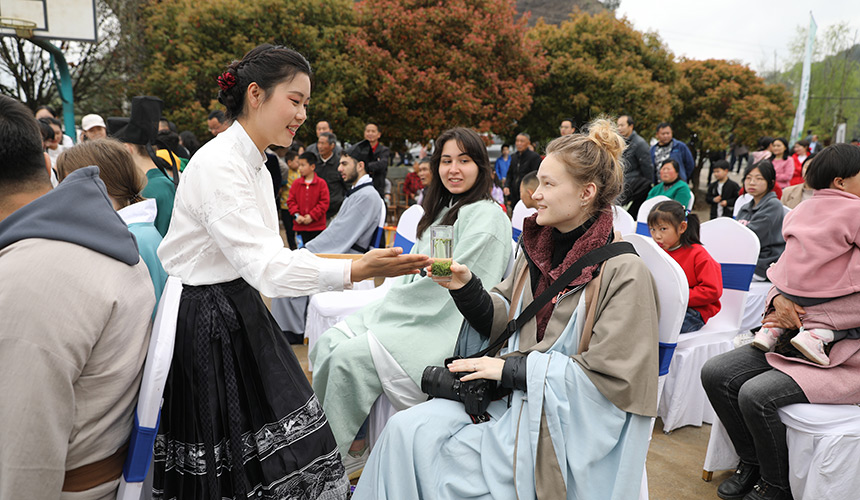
pixel 672 294
pixel 622 221
pixel 147 413
pixel 328 308
pixel 740 202
pixel 518 215
pixel 644 210
pixel 823 450
pixel 736 248
pixel 692 201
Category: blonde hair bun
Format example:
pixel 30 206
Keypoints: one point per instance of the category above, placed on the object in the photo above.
pixel 604 133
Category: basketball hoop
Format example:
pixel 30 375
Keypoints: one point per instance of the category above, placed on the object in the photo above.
pixel 23 28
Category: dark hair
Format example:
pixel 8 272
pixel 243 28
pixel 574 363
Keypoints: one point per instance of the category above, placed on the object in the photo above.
pixel 723 164
pixel 438 197
pixel 46 129
pixel 674 164
pixel 329 137
pixel 22 151
pixel 530 179
pixel 218 115
pixel 837 160
pixel 765 168
pixel 804 143
pixel 764 142
pixel 49 109
pixel 672 212
pixel 170 125
pixel 54 121
pixel 505 146
pixel 568 119
pixel 663 125
pixel 189 141
pixel 784 141
pixel 309 157
pixel 290 155
pixel 630 121
pixel 116 168
pixel 267 65
pixel 168 140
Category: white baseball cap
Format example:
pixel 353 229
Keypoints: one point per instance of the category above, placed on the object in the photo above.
pixel 90 121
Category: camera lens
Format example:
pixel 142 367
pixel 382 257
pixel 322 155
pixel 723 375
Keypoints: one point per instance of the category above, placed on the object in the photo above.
pixel 439 382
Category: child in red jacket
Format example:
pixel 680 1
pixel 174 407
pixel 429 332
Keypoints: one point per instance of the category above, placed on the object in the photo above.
pixel 676 230
pixel 308 200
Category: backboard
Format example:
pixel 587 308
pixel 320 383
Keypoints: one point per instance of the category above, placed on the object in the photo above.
pixel 55 19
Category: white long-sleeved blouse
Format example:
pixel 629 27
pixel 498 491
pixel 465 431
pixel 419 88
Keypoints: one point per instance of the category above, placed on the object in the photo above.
pixel 225 226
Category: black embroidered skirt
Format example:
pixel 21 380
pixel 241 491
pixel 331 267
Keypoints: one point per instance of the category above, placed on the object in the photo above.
pixel 239 418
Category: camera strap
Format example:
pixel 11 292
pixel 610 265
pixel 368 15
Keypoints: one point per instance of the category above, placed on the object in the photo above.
pixel 596 256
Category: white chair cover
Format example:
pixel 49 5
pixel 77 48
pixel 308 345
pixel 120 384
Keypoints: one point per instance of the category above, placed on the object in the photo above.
pixel 736 248
pixel 644 210
pixel 823 450
pixel 156 367
pixel 672 294
pixel 740 202
pixel 519 214
pixel 407 228
pixel 622 221
pixel 692 200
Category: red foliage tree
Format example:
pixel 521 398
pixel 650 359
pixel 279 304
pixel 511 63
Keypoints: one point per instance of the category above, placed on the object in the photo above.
pixel 433 65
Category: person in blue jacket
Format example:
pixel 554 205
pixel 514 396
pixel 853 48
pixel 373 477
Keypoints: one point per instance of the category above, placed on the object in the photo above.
pixel 670 148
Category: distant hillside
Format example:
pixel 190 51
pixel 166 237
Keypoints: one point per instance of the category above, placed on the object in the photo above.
pixel 556 11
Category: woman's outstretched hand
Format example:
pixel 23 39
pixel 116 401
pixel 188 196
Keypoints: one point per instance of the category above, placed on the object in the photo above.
pixel 387 262
pixel 485 367
pixel 786 314
pixel 460 275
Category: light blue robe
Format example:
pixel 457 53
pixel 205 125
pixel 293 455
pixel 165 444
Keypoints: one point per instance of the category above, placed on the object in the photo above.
pixel 140 219
pixel 434 451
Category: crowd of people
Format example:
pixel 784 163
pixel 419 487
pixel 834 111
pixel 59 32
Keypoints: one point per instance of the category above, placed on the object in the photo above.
pixel 553 381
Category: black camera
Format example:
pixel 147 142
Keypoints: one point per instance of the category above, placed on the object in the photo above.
pixel 476 395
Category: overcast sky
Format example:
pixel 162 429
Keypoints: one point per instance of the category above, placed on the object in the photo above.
pixel 745 30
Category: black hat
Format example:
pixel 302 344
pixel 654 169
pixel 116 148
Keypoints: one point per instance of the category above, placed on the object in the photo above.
pixel 362 151
pixel 142 126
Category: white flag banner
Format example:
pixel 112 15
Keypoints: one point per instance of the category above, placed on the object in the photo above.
pixel 800 115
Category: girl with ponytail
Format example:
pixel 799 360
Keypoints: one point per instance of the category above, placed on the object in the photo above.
pixel 676 230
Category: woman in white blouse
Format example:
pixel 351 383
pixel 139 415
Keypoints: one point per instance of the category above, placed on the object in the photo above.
pixel 239 417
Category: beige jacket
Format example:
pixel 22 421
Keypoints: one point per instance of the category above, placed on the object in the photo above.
pixel 73 337
pixel 622 358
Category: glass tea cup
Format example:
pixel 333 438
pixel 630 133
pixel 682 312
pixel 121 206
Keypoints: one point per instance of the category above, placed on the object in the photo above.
pixel 442 252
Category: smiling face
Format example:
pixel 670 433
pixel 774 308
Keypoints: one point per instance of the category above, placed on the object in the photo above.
pixel 279 113
pixel 457 169
pixel 777 148
pixel 561 202
pixel 372 133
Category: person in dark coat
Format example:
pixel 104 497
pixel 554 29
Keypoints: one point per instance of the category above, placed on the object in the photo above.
pixel 522 162
pixel 723 192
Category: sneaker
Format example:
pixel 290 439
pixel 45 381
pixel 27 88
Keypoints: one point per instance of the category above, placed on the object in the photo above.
pixel 811 344
pixel 765 339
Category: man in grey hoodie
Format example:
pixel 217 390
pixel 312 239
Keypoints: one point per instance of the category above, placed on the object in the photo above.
pixel 76 303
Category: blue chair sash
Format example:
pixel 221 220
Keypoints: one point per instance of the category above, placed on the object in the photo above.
pixel 140 447
pixel 402 242
pixel 666 351
pixel 737 276
pixel 642 228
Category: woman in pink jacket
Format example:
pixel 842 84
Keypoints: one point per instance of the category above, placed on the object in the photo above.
pixel 783 163
pixel 745 386
pixel 820 267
